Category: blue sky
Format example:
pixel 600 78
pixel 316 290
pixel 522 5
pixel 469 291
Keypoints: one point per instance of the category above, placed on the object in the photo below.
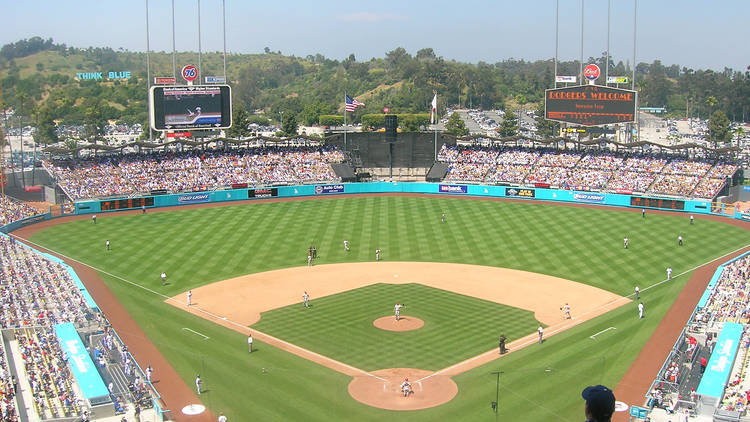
pixel 692 33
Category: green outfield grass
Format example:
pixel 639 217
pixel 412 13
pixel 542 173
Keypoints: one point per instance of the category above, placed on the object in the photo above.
pixel 339 326
pixel 542 382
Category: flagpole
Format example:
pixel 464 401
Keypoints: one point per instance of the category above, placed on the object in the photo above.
pixel 344 120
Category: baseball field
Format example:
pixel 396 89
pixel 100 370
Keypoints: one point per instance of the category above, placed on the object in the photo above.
pixel 242 262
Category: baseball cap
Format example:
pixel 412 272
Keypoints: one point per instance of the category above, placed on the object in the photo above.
pixel 601 401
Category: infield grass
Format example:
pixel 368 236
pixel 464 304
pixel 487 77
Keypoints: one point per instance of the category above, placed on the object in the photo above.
pixel 339 326
pixel 540 383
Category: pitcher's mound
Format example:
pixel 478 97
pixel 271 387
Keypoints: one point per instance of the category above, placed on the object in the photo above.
pixel 384 392
pixel 405 323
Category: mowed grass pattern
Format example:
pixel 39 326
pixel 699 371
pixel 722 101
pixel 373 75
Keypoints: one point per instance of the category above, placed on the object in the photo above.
pixel 339 326
pixel 540 383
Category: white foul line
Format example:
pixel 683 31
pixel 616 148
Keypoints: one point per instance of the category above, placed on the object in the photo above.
pixel 195 332
pixel 602 331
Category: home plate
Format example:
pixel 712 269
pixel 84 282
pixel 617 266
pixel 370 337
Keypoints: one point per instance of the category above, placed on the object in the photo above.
pixel 193 409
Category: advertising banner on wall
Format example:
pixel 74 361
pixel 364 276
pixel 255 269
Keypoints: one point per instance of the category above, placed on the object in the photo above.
pixel 520 193
pixel 326 189
pixel 453 189
pixel 193 198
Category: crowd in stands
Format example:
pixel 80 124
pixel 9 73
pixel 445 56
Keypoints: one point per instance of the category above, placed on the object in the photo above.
pixel 12 210
pixel 36 290
pixel 194 170
pixel 47 373
pixel 8 387
pixel 583 170
pixel 730 300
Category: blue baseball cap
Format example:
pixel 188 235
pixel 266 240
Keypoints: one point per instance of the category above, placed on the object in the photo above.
pixel 601 401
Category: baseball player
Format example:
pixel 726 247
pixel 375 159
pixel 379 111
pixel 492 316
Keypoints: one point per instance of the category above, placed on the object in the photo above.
pixel 637 292
pixel 669 273
pixel 149 371
pixel 189 297
pixel 163 278
pixel 501 344
pixel 625 242
pixel 93 218
pixel 442 218
pixel 692 219
pixel 377 254
pixel 198 384
pixel 143 209
pixel 346 245
pixel 679 240
pixel 309 260
pixel 643 212
pixel 250 343
pixel 397 310
pixel 305 300
pixel 222 418
pixel 106 244
pixel 406 387
pixel 566 311
pixel 540 330
pixel 640 310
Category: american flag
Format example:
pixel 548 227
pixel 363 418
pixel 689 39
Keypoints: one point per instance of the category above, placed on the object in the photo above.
pixel 352 104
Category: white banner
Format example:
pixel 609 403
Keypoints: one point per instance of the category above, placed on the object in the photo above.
pixel 566 79
pixel 617 79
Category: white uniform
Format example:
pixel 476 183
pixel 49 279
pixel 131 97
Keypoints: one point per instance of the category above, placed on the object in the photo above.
pixel 163 278
pixel 190 297
pixel 346 245
pixel 222 418
pixel 640 310
pixel 679 240
pixel 541 333
pixel 250 343
pixel 377 254
pixel 198 384
pixel 566 311
pixel 637 292
pixel 309 260
pixel 305 300
pixel 397 310
pixel 669 273
pixel 625 242
pixel 406 388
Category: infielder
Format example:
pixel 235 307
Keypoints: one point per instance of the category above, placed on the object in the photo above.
pixel 222 418
pixel 397 310
pixel 346 245
pixel 640 310
pixel 541 334
pixel 309 260
pixel 637 292
pixel 566 311
pixel 305 300
pixel 377 254
pixel 250 343
pixel 198 384
pixel 189 297
pixel 669 273
pixel 163 278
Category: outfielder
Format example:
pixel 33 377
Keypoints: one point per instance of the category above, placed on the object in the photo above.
pixel 625 242
pixel 93 218
pixel 637 292
pixel 346 245
pixel 640 310
pixel 163 278
pixel 377 254
pixel 397 310
pixel 250 343
pixel 106 244
pixel 309 260
pixel 442 218
pixel 679 240
pixel 669 273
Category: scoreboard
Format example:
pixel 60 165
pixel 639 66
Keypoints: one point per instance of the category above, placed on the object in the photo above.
pixel 126 204
pixel 666 204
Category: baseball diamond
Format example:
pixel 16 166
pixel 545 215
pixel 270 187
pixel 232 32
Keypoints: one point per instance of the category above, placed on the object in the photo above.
pixel 245 261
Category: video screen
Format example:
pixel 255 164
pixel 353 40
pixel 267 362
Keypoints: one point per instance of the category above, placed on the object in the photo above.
pixel 191 107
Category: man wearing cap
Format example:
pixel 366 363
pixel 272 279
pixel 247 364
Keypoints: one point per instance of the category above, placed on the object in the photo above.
pixel 600 403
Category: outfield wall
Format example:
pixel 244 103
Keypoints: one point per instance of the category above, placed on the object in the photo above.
pixel 530 193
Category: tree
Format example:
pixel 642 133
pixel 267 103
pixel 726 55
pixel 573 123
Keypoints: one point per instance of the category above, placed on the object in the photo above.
pixel 455 126
pixel 544 128
pixel 290 125
pixel 239 123
pixel 509 125
pixel 718 128
pixel 94 124
pixel 46 130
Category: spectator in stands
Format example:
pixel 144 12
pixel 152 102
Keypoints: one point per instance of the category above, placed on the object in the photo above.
pixel 600 403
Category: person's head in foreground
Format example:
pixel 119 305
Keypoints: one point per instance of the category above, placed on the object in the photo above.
pixel 600 403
